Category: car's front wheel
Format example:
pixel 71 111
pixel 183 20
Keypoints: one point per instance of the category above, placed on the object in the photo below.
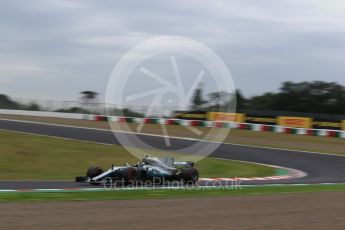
pixel 93 172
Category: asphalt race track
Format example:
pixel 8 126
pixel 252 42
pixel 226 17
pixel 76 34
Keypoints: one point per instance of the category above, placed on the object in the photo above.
pixel 320 168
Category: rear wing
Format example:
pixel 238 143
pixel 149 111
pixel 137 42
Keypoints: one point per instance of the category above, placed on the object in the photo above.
pixel 184 163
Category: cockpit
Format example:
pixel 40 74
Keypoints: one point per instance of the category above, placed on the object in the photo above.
pixel 162 163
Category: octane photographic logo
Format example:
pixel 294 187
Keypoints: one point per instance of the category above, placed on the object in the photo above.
pixel 159 78
pixel 161 183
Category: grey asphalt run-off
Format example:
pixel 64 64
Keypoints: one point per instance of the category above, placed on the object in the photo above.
pixel 320 168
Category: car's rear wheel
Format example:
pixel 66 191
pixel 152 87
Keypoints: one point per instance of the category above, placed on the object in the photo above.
pixel 190 175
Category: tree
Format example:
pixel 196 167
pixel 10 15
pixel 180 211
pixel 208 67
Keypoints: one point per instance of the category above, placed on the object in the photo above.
pixel 7 103
pixel 241 101
pixel 33 107
pixel 197 100
pixel 313 97
pixel 89 95
pixel 263 102
pixel 89 100
pixel 219 98
pixel 310 97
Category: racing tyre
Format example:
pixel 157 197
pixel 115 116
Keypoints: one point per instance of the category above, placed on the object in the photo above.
pixel 190 175
pixel 94 171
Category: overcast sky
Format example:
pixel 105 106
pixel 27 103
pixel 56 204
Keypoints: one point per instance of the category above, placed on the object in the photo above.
pixel 55 49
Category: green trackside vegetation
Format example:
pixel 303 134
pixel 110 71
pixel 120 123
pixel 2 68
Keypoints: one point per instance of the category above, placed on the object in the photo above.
pixel 163 193
pixel 31 157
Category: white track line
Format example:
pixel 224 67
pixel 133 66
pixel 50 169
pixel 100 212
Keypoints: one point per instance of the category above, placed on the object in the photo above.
pixel 55 137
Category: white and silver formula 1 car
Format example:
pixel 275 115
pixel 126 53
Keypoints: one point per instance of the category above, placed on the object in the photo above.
pixel 148 169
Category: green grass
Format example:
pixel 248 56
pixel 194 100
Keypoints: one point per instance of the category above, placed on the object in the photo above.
pixel 30 157
pixel 161 194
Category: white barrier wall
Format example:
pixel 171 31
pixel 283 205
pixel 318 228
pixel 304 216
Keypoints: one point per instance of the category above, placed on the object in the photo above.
pixel 44 114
